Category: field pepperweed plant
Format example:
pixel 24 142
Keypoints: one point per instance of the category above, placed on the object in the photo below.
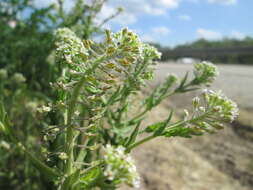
pixel 98 128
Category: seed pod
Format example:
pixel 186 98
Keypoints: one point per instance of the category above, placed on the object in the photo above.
pixel 110 50
pixel 195 102
pixel 108 36
pixel 110 65
pixel 124 31
pixel 124 62
pixel 109 81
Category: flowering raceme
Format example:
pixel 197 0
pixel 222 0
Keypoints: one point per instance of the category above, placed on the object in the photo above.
pixel 221 107
pixel 210 112
pixel 69 47
pixel 205 72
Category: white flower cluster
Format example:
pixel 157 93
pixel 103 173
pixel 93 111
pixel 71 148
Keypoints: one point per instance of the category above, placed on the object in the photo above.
pixel 120 166
pixel 150 51
pixel 122 56
pixel 129 47
pixel 220 105
pixel 211 111
pixel 18 78
pixel 205 73
pixel 127 41
pixel 70 47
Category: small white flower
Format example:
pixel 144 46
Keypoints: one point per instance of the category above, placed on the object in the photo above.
pixel 77 113
pixel 120 166
pixel 63 156
pixel 44 109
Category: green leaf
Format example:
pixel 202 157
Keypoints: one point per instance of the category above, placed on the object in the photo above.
pixel 2 128
pixel 113 97
pixel 152 128
pixel 92 89
pixel 71 180
pixel 91 178
pixel 183 81
pixel 133 135
pixel 182 132
pixel 189 89
pixel 5 125
pixel 160 130
pixel 122 131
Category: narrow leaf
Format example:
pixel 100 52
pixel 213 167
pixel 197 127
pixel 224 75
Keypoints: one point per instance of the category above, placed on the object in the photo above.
pixel 160 130
pixel 134 134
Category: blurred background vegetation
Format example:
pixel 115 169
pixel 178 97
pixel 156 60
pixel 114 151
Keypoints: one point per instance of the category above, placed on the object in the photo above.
pixel 225 51
pixel 27 67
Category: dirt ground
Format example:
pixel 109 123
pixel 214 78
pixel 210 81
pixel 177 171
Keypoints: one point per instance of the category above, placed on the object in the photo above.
pixel 222 161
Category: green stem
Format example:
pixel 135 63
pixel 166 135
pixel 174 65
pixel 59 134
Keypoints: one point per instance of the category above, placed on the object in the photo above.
pixel 43 168
pixel 70 131
pixel 146 110
pixel 138 116
pixel 173 126
pixel 139 143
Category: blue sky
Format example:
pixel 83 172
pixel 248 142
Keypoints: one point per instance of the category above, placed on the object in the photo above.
pixel 172 22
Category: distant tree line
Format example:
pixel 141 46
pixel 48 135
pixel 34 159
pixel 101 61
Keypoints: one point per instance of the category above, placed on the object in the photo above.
pixel 224 51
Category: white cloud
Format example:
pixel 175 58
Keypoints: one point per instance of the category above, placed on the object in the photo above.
pixel 185 17
pixel 154 7
pixel 156 34
pixel 135 8
pixel 192 1
pixel 148 38
pixel 215 35
pixel 225 2
pixel 221 2
pixel 160 30
pixel 68 4
pixel 123 19
pixel 237 35
pixel 208 34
